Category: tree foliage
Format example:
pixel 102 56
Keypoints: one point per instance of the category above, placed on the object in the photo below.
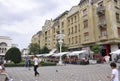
pixel 45 49
pixel 13 54
pixel 96 48
pixel 34 48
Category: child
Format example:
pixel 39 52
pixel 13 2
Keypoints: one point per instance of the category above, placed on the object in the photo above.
pixel 114 75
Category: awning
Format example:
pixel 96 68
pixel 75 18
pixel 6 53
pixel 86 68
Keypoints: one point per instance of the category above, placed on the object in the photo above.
pixel 60 54
pixel 47 55
pixel 117 52
pixel 76 53
pixel 50 53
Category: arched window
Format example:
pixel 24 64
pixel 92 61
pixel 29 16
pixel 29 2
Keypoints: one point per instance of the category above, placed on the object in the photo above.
pixel 3 44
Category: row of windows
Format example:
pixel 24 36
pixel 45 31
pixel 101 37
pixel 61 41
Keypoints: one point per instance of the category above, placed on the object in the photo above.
pixel 73 19
pixel 77 39
pixel 73 29
pixel 3 50
pixel 77 28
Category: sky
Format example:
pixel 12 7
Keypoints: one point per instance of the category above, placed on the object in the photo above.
pixel 21 19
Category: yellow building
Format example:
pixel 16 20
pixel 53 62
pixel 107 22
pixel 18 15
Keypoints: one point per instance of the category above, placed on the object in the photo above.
pixel 36 38
pixel 89 22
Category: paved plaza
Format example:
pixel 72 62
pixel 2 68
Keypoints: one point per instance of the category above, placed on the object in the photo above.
pixel 97 72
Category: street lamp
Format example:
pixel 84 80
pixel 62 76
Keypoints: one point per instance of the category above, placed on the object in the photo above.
pixel 60 36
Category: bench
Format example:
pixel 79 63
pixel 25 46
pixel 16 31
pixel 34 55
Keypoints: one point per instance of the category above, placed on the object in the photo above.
pixel 5 77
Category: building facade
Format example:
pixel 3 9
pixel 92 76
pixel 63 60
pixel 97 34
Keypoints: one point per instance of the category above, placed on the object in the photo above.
pixel 88 23
pixel 5 44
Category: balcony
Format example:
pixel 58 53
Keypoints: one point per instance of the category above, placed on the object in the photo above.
pixel 101 10
pixel 102 23
pixel 102 38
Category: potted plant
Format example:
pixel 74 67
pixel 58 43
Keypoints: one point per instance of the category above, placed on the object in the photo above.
pixel 96 49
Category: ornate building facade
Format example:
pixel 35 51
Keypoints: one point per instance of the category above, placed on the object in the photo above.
pixel 88 23
pixel 5 44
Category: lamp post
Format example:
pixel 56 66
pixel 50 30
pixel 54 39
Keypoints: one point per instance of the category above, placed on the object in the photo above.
pixel 60 36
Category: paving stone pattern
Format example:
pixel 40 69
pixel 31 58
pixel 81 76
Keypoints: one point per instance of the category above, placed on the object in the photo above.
pixel 97 72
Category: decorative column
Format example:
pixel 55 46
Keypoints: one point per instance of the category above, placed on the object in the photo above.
pixel 60 37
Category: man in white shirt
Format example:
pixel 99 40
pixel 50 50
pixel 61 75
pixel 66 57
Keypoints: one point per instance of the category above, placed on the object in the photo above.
pixel 36 63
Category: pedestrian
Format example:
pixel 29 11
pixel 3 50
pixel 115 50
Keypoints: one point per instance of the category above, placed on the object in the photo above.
pixel 107 58
pixel 29 63
pixel 26 61
pixel 115 73
pixel 36 63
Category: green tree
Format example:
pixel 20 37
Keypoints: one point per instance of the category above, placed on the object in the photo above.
pixel 14 55
pixel 45 49
pixel 96 49
pixel 34 48
pixel 64 47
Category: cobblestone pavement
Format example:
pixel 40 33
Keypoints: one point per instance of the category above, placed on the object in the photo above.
pixel 97 72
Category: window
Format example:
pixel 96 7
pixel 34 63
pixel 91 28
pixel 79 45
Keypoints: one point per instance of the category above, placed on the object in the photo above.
pixel 103 32
pixel 72 31
pixel 71 20
pixel 116 1
pixel 100 3
pixel 75 18
pixel 62 24
pixel 72 40
pixel 117 17
pixel 69 31
pixel 78 27
pixel 3 44
pixel 85 23
pixel 78 16
pixel 86 35
pixel 75 39
pixel 75 29
pixel 119 31
pixel 79 39
pixel 84 12
pixel 0 50
pixel 69 40
pixel 68 22
pixel 101 17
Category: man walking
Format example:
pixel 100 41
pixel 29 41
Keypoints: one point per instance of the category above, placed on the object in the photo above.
pixel 36 63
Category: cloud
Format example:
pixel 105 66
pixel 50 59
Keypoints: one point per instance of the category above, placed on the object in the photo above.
pixel 20 19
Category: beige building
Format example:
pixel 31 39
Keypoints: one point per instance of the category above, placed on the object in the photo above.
pixel 89 22
pixel 36 38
